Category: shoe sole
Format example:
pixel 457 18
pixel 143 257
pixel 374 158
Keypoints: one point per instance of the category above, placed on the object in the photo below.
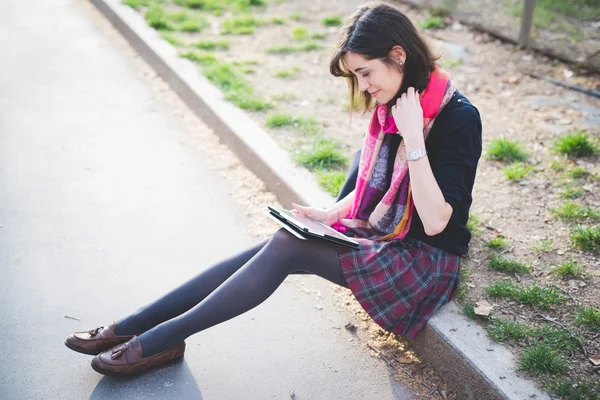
pixel 110 373
pixel 89 353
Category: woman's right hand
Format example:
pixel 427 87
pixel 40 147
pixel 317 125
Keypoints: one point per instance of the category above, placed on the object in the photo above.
pixel 327 216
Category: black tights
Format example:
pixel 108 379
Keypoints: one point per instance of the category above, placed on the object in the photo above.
pixel 229 289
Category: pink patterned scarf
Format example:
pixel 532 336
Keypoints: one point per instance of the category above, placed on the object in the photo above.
pixel 392 215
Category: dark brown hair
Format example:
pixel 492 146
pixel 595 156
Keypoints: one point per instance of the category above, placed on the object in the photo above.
pixel 372 31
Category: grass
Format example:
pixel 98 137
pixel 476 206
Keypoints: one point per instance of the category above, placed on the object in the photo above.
pixel 286 49
pixel 502 330
pixel 575 144
pixel 497 243
pixel 516 171
pixel 570 269
pixel 212 45
pixel 169 37
pixel 554 337
pixel 557 166
pixel 540 359
pixel 279 120
pixel 192 25
pixel 469 309
pixel 433 23
pixel 533 295
pixel 572 193
pixel 578 172
pixel 586 238
pixel 331 180
pixel 284 97
pixel 244 25
pixel 322 155
pixel 287 72
pixel 569 389
pixel 465 275
pixel 545 246
pixel 158 19
pixel 277 21
pixel 570 211
pixel 297 16
pixel 588 317
pixel 506 151
pixel 229 79
pixel 135 4
pixel 332 21
pixel 473 224
pixel 200 57
pixel 498 263
pixel 299 33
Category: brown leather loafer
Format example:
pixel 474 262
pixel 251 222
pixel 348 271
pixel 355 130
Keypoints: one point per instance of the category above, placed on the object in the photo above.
pixel 95 341
pixel 126 359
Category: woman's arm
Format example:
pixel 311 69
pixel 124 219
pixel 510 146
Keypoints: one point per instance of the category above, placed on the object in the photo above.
pixel 429 200
pixel 331 215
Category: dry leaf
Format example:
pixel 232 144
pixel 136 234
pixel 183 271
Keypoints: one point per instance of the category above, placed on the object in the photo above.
pixel 595 359
pixel 483 308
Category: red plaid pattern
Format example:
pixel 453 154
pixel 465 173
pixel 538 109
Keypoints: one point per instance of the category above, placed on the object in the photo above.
pixel 400 283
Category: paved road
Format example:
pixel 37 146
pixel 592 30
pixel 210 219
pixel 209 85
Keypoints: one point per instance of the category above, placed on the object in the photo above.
pixel 103 202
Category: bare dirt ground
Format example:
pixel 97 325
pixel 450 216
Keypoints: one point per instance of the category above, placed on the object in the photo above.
pixel 512 104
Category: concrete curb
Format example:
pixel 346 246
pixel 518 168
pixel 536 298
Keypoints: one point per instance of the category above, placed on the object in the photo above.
pixel 458 349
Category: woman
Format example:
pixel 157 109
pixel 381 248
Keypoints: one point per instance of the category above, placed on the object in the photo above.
pixel 409 211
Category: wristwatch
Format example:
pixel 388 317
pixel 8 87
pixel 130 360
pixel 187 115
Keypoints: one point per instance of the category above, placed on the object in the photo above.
pixel 416 154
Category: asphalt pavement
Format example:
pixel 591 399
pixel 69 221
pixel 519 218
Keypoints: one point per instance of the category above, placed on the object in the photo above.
pixel 106 204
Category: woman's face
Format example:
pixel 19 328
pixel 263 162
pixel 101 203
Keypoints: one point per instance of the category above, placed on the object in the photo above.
pixel 375 77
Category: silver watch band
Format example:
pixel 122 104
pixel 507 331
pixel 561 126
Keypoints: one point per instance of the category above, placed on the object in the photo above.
pixel 416 154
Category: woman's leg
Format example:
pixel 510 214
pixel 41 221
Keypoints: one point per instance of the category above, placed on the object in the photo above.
pixel 185 296
pixel 248 287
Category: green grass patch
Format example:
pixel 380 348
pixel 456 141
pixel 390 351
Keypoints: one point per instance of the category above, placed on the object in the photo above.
pixel 498 263
pixel 533 295
pixel 575 212
pixel 544 246
pixel 473 224
pixel 586 238
pixel 569 389
pixel 279 120
pixel 244 25
pixel 331 180
pixel 502 330
pixel 554 337
pixel 218 7
pixel 135 4
pixel 516 171
pixel 449 62
pixel 192 25
pixel 323 155
pixel 572 193
pixel 200 57
pixel 277 21
pixel 465 275
pixel 284 97
pixel 334 20
pixel 286 72
pixel 570 269
pixel 211 45
pixel 297 16
pixel 158 19
pixel 576 144
pixel 468 309
pixel 169 37
pixel 433 23
pixel 506 151
pixel 497 243
pixel 299 33
pixel 588 317
pixel 578 172
pixel 286 49
pixel 540 359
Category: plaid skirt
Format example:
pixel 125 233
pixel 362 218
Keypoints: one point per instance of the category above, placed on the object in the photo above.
pixel 400 283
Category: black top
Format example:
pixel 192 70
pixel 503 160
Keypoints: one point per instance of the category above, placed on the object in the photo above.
pixel 453 147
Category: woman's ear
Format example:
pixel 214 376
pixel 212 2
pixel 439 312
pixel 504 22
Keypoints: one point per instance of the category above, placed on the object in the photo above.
pixel 397 54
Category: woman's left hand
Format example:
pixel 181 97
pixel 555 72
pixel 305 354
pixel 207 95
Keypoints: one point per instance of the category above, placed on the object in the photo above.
pixel 408 115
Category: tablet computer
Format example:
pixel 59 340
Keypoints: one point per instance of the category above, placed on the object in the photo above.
pixel 305 228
